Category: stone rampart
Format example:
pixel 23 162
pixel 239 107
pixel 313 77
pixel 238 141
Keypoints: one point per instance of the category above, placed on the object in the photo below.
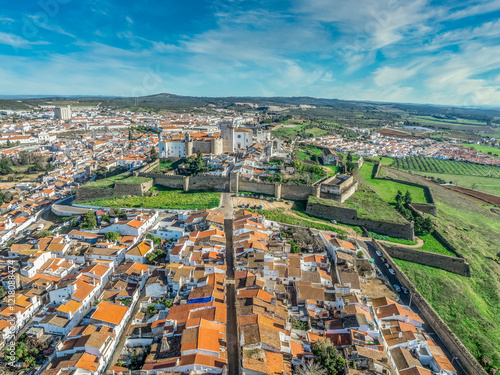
pixel 467 361
pixel 350 216
pixel 448 263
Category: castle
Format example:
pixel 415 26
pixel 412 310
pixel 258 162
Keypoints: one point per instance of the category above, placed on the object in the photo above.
pixel 231 139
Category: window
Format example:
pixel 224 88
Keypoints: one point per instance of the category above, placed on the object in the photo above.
pixel 239 135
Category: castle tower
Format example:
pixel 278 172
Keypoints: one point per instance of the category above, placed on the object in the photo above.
pixel 227 127
pixel 188 145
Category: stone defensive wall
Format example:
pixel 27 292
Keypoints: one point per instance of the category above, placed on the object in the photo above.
pixel 448 263
pixel 350 216
pixel 466 360
pixel 84 194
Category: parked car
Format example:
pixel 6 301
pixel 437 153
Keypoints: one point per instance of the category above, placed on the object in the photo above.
pixel 378 253
pixel 333 221
pixel 260 207
pixel 288 202
pixel 388 265
pixel 397 287
pixel 405 291
pixel 383 260
pixel 391 271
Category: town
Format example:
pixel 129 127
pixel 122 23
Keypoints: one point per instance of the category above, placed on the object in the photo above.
pixel 225 289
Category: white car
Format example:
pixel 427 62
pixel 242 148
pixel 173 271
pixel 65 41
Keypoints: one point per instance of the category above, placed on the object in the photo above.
pixel 391 271
pixel 378 253
pixel 397 287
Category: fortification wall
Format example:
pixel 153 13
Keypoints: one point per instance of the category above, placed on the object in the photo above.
pixel 297 192
pixel 350 216
pixel 426 208
pixel 88 194
pixel 450 340
pixel 133 189
pixel 170 181
pixel 447 263
pixel 256 187
pixel 216 183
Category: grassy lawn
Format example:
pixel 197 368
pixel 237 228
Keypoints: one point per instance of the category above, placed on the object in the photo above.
pixel 166 199
pixel 391 239
pixel 485 184
pixel 433 245
pixel 387 190
pixel 109 183
pixel 483 148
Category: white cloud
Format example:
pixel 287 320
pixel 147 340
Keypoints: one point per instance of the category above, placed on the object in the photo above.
pixel 17 41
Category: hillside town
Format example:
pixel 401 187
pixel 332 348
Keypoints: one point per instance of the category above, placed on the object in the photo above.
pixel 110 290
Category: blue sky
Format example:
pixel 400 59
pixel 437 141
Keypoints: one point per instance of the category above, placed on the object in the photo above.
pixel 385 50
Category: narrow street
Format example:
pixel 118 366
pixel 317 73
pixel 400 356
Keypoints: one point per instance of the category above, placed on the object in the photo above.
pixel 232 342
pixel 404 299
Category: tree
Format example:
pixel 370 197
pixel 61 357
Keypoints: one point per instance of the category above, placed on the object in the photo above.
pixel 349 166
pixel 44 233
pixel 111 236
pixel 408 198
pixel 89 220
pixel 153 154
pixel 129 135
pixel 152 310
pixel 399 199
pixel 169 303
pixel 311 368
pixel 349 156
pixel 327 356
pixel 359 254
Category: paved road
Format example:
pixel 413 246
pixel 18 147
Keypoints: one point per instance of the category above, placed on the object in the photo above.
pixel 232 342
pixel 404 299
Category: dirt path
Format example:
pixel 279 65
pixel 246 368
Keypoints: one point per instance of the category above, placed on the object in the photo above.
pixel 266 205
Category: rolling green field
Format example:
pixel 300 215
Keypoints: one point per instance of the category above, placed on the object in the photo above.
pixel 387 190
pixel 485 184
pixel 483 148
pixel 423 164
pixel 166 199
pixel 470 306
pixel 391 239
pixel 109 183
pixel 458 121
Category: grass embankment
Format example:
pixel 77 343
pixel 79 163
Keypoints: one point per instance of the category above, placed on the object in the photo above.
pixel 165 199
pixel 109 183
pixel 281 216
pixel 470 306
pixel 167 165
pixel 386 189
pixel 391 239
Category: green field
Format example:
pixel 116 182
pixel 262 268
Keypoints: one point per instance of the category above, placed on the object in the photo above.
pixel 387 190
pixel 458 121
pixel 166 199
pixel 485 184
pixel 423 164
pixel 483 148
pixel 109 183
pixel 470 306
